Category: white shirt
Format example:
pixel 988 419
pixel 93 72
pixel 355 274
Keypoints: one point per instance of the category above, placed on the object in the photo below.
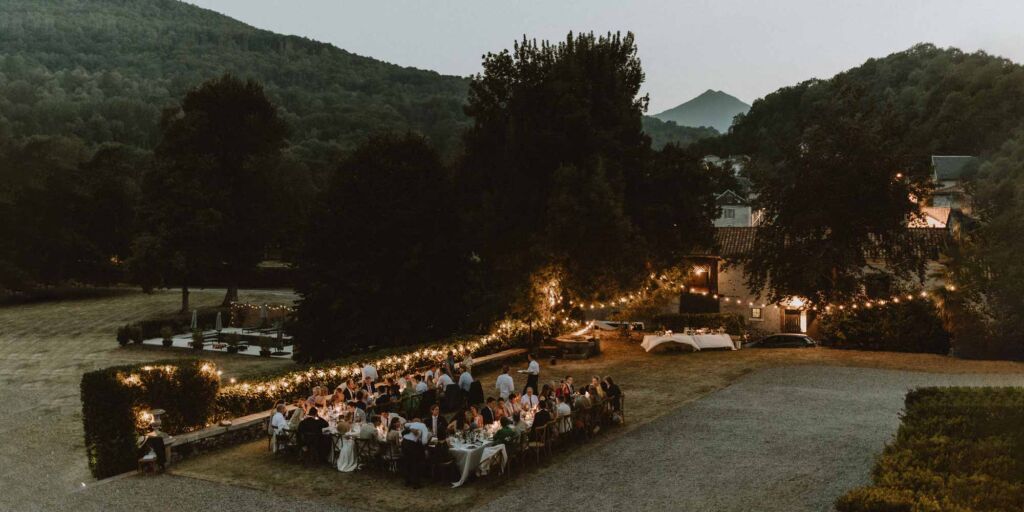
pixel 529 401
pixel 371 372
pixel 421 387
pixel 564 409
pixel 444 381
pixel 424 434
pixel 534 368
pixel 505 385
pixel 278 423
pixel 465 380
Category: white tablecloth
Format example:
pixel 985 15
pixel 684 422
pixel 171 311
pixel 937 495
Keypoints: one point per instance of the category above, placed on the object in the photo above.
pixel 697 341
pixel 469 458
pixel 345 445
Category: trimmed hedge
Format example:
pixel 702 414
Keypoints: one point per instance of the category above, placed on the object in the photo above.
pixel 734 324
pixel 958 449
pixel 112 399
pixel 912 326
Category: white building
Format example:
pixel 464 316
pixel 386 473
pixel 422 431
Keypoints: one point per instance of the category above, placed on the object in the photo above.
pixel 948 172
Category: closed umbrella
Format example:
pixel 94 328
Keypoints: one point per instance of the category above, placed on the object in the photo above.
pixel 263 315
pixel 219 325
pixel 195 319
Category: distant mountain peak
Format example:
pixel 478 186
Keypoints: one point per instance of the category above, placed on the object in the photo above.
pixel 711 108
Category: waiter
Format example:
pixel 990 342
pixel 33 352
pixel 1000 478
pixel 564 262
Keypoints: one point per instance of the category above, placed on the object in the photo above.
pixel 532 373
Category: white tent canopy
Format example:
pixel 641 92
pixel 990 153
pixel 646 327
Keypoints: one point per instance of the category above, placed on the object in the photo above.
pixel 697 341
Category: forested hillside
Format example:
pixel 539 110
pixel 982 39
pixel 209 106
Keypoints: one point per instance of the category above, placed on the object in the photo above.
pixel 102 70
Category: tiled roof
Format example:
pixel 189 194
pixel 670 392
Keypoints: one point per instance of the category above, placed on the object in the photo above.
pixel 950 167
pixel 733 242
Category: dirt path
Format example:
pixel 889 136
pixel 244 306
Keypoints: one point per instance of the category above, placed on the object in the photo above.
pixel 46 348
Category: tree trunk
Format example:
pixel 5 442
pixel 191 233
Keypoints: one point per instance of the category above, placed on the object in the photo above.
pixel 184 298
pixel 230 296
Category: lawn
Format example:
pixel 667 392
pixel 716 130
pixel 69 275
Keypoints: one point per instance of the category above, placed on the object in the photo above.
pixel 654 384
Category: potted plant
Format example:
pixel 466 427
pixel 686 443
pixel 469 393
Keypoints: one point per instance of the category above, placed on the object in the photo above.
pixel 197 339
pixel 123 335
pixel 232 341
pixel 265 344
pixel 167 335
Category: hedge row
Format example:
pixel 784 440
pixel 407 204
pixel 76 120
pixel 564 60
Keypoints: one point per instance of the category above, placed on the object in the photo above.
pixel 113 398
pixel 733 323
pixel 958 449
pixel 912 326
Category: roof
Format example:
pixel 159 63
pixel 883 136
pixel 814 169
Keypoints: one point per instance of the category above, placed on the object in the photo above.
pixel 733 242
pixel 950 167
pixel 730 198
pixel 933 217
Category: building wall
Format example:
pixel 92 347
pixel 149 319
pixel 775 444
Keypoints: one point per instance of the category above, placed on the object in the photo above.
pixel 741 217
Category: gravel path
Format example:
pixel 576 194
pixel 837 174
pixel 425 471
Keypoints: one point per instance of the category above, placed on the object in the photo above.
pixel 784 439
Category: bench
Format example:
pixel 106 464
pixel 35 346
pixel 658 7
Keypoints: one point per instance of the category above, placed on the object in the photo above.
pixel 237 424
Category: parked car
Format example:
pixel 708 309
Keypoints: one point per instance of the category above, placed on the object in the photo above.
pixel 783 341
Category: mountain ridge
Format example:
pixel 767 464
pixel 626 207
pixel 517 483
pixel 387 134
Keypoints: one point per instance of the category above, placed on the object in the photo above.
pixel 711 108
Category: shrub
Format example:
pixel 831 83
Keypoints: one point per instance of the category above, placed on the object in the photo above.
pixel 167 336
pixel 197 339
pixel 113 398
pixel 957 449
pixel 912 326
pixel 135 333
pixel 733 323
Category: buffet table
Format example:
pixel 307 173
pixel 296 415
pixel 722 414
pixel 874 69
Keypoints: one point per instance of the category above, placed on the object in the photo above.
pixel 697 341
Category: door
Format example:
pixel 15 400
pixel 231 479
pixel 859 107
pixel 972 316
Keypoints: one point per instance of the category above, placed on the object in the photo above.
pixel 791 321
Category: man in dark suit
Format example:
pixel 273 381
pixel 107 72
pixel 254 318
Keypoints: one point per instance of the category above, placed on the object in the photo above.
pixel 312 426
pixel 436 423
pixel 488 411
pixel 543 417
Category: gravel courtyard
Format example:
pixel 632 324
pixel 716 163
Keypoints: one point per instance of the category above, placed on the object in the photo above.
pixel 781 439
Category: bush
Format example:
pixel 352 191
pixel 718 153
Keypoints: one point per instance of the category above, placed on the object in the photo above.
pixel 113 398
pixel 912 326
pixel 733 323
pixel 123 335
pixel 167 336
pixel 957 449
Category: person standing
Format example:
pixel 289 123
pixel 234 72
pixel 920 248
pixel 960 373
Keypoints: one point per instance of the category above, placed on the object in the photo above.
pixel 505 385
pixel 532 373
pixel 414 454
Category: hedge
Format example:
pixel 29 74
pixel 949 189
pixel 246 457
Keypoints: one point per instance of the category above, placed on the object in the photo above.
pixel 733 323
pixel 957 449
pixel 912 326
pixel 113 398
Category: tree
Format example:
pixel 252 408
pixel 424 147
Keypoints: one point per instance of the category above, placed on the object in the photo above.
pixel 832 196
pixel 553 121
pixel 382 262
pixel 209 202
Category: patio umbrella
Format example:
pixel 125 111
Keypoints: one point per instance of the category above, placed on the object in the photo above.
pixel 195 319
pixel 219 325
pixel 263 315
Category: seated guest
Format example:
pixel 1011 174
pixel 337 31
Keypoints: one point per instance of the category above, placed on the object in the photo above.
pixel 394 429
pixel 488 411
pixel 509 406
pixel 360 400
pixel 350 389
pixel 311 401
pixel 444 380
pixel 278 421
pixel 582 402
pixel 529 401
pixel 520 424
pixel 437 426
pixel 465 380
pixel 338 398
pixel 314 424
pixel 613 393
pixel 547 392
pixel 506 434
pixel 298 413
pixel 421 385
pixel 386 418
pixel 499 410
pixel 567 388
pixel 431 375
pixel 562 410
pixel 543 416
pixel 596 398
pixel 595 386
pixel 369 432
pixel 475 418
pixel 368 385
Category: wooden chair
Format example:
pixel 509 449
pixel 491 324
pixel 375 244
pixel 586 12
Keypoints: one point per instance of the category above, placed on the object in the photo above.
pixel 366 453
pixel 564 430
pixel 308 448
pixel 539 442
pixel 391 457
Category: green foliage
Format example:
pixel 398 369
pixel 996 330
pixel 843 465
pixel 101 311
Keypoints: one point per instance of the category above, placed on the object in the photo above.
pixel 912 326
pixel 113 397
pixel 124 335
pixel 733 323
pixel 383 262
pixel 663 133
pixel 100 70
pixel 958 449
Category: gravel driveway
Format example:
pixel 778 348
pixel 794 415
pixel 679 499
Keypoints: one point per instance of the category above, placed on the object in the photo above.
pixel 784 439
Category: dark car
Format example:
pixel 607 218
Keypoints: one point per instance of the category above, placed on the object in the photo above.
pixel 783 341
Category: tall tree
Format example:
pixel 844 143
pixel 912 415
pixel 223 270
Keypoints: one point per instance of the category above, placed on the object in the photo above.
pixel 382 262
pixel 209 202
pixel 836 194
pixel 550 120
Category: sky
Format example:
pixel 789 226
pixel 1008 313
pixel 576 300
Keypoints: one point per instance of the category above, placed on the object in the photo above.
pixel 745 48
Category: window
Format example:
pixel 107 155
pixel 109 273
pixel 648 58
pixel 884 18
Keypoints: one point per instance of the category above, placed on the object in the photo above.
pixel 729 213
pixel 755 314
